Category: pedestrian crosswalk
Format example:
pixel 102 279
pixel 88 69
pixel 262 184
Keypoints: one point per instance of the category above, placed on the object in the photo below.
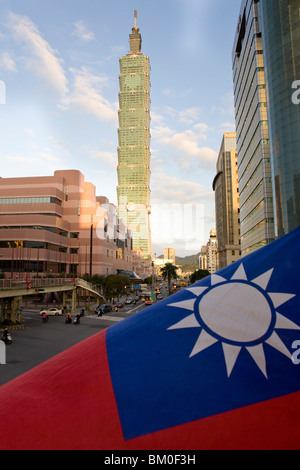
pixel 106 317
pixel 127 312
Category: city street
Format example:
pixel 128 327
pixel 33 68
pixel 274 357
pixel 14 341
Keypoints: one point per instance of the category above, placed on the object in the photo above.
pixel 40 341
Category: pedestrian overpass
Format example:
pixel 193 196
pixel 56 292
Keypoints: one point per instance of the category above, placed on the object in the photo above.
pixel 12 293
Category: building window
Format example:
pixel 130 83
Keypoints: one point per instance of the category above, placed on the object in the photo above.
pixel 30 200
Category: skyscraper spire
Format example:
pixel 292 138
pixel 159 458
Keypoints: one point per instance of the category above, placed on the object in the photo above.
pixel 135 17
pixel 135 39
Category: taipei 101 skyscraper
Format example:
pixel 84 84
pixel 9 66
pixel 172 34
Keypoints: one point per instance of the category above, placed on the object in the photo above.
pixel 134 144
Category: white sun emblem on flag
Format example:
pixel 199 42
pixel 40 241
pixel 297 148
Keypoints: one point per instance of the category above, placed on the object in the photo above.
pixel 239 313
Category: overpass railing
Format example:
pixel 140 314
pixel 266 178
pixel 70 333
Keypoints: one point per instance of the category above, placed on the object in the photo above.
pixel 46 282
pixel 40 283
pixel 36 282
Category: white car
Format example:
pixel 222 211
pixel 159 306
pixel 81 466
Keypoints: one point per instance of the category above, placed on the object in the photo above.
pixel 51 311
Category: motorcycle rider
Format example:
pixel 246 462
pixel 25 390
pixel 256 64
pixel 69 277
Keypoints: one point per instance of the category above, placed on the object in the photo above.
pixel 5 336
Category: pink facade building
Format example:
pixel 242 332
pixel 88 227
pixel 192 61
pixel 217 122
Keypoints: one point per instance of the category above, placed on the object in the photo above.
pixel 54 225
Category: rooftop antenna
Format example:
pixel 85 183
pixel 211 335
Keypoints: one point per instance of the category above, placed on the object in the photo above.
pixel 135 29
pixel 135 39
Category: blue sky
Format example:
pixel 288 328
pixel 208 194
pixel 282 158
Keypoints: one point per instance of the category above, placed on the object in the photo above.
pixel 59 61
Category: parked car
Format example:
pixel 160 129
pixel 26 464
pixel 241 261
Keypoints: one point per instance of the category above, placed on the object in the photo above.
pixel 159 296
pixel 103 308
pixel 51 311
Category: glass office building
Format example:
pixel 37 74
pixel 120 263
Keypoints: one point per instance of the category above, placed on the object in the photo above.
pixel 252 136
pixel 280 20
pixel 134 144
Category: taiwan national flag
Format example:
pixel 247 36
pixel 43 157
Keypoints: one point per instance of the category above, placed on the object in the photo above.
pixel 214 366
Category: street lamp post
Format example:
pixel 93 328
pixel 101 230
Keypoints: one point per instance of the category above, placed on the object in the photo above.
pixel 153 280
pixel 91 249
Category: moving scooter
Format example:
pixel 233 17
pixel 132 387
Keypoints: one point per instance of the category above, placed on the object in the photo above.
pixel 7 338
pixel 77 320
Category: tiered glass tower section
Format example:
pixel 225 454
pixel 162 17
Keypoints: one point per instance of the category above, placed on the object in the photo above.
pixel 134 144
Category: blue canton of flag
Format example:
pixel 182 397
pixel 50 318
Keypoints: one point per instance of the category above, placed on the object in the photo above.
pixel 222 344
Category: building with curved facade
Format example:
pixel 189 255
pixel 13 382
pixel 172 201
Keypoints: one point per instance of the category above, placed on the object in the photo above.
pixel 56 225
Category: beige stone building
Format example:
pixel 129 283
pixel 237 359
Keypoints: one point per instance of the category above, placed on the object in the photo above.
pixel 208 254
pixel 226 188
pixel 169 255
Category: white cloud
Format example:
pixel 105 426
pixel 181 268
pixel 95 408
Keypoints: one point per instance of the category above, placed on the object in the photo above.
pixel 87 88
pixel 156 117
pixel 225 106
pixel 176 94
pixel 58 145
pixel 184 146
pixel 161 132
pixel 201 130
pixel 227 127
pixel 171 189
pixel 29 132
pixel 21 159
pixel 7 62
pixel 42 57
pixel 107 158
pixel 88 95
pixel 45 155
pixel 187 145
pixel 182 213
pixel 185 116
pixel 189 115
pixel 177 212
pixel 32 157
pixel 82 32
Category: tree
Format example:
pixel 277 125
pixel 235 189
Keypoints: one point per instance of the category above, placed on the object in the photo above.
pixel 98 280
pixel 114 284
pixel 198 274
pixel 148 280
pixel 169 272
